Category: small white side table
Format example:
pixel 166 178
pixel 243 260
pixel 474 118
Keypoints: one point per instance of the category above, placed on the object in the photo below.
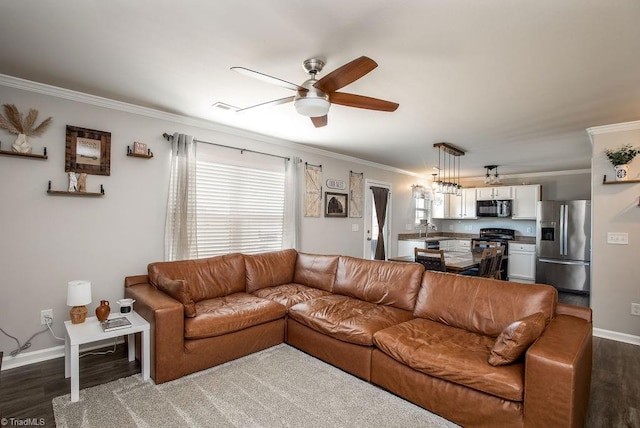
pixel 91 331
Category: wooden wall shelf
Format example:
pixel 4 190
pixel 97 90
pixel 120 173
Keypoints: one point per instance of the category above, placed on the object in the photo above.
pixel 604 181
pixel 133 155
pixel 25 155
pixel 67 193
pixel 149 154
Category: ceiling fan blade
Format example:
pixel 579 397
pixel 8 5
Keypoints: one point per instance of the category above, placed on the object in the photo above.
pixel 360 101
pixel 268 79
pixel 268 103
pixel 348 73
pixel 320 121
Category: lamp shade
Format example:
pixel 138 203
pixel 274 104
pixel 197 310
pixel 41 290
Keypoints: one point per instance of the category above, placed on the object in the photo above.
pixel 78 293
pixel 312 106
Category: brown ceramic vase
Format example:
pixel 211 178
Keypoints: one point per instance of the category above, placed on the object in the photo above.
pixel 102 311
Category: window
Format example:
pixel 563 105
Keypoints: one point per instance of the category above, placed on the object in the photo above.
pixel 240 206
pixel 423 206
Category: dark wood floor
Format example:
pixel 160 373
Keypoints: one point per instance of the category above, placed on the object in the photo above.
pixel 26 392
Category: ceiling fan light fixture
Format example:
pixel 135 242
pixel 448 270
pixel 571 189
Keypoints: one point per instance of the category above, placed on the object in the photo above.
pixel 312 106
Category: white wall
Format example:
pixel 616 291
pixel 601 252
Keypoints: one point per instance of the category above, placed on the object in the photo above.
pixel 615 268
pixel 46 241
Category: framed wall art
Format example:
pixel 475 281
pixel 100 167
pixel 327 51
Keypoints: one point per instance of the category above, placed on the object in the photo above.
pixel 335 204
pixel 88 151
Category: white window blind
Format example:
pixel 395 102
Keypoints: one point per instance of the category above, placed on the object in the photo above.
pixel 240 208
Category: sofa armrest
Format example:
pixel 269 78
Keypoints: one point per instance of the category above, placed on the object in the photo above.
pixel 166 317
pixel 575 311
pixel 558 374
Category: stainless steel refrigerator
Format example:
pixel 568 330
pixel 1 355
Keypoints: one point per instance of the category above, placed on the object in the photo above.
pixel 564 245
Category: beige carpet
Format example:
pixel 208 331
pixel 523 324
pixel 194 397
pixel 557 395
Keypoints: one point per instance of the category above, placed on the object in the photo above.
pixel 278 387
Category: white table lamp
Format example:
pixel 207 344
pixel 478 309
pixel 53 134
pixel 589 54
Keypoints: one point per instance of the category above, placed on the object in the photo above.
pixel 78 296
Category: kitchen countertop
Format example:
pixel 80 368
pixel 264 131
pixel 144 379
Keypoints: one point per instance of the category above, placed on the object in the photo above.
pixel 449 235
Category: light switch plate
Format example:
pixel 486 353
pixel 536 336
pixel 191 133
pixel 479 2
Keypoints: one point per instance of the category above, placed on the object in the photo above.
pixel 617 238
pixel 355 227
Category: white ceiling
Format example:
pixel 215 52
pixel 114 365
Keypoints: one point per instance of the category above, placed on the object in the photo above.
pixel 514 83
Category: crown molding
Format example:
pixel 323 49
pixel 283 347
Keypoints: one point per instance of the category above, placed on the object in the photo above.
pixel 68 94
pixel 537 174
pixel 616 127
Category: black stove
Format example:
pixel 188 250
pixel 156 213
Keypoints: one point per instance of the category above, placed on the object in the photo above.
pixel 493 234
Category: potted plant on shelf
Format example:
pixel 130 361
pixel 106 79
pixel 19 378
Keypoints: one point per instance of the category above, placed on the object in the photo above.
pixel 620 159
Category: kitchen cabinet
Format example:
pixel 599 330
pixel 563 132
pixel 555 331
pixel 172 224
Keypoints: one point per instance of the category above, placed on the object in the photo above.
pixel 491 193
pixel 463 245
pixel 524 203
pixel 464 206
pixel 522 262
pixel 440 207
pixel 448 244
pixel 405 248
pixel 455 244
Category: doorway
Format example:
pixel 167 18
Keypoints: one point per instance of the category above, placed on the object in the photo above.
pixel 372 232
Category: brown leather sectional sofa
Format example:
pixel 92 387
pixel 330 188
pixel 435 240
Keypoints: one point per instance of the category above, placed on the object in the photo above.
pixel 425 336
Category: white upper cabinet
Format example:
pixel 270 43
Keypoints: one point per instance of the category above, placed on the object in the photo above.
pixel 525 199
pixel 440 206
pixel 491 193
pixel 464 207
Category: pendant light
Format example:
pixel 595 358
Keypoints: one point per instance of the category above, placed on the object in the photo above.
pixel 449 171
pixel 492 179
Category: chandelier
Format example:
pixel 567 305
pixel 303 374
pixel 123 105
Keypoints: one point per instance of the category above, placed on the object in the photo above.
pixel 492 179
pixel 447 180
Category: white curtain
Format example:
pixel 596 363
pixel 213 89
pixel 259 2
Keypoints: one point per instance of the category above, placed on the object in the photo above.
pixel 180 237
pixel 291 229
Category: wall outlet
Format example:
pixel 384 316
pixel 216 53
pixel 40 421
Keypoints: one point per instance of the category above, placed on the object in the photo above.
pixel 450 227
pixel 44 314
pixel 635 309
pixel 617 238
pixel 529 230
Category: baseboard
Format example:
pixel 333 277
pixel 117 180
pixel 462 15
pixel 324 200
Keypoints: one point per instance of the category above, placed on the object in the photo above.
pixel 614 335
pixel 32 357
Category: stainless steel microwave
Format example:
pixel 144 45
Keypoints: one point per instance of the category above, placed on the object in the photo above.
pixel 501 208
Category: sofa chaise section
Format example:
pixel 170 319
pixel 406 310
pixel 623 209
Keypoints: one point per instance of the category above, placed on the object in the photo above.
pixel 440 359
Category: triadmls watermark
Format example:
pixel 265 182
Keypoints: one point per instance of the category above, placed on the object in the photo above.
pixel 22 422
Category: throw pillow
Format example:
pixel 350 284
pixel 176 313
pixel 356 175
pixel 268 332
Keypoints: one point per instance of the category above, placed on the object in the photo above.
pixel 516 338
pixel 177 288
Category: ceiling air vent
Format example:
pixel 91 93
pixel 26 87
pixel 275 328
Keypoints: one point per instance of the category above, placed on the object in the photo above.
pixel 226 107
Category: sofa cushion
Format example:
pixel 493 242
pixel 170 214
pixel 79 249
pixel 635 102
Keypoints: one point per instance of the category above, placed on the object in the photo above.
pixel 316 270
pixel 516 338
pixel 290 294
pixel 374 281
pixel 177 288
pixel 206 278
pixel 347 319
pixel 269 269
pixel 451 354
pixel 227 314
pixel 482 305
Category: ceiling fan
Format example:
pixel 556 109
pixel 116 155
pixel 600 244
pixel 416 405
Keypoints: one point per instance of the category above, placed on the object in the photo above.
pixel 314 96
